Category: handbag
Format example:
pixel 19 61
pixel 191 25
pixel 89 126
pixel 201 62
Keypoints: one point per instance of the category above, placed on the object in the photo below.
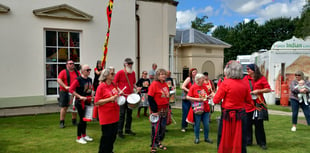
pixel 198 107
pixel 262 113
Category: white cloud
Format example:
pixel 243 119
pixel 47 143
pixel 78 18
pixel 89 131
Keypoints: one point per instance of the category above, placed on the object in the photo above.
pixel 245 6
pixel 246 20
pixel 184 18
pixel 276 10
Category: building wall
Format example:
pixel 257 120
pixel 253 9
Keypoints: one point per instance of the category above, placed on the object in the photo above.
pixel 157 23
pixel 22 44
pixel 197 56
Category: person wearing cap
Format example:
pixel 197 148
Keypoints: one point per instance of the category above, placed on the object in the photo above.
pixel 256 115
pixel 299 75
pixel 126 78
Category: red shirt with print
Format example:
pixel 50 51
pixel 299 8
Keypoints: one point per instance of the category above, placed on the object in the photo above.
pixel 63 76
pixel 261 83
pixel 160 92
pixel 235 93
pixel 121 81
pixel 109 112
pixel 197 91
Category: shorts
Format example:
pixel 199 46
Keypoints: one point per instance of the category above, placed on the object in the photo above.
pixel 64 99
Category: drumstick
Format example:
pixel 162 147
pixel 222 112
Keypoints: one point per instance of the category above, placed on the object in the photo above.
pixel 122 90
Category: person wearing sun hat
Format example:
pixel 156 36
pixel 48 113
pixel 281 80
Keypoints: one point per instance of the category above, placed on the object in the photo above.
pixel 299 75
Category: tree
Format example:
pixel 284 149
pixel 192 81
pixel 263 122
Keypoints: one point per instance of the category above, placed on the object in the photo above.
pixel 303 24
pixel 199 24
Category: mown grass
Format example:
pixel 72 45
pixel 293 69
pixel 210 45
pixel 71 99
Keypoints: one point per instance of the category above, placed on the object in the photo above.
pixel 40 134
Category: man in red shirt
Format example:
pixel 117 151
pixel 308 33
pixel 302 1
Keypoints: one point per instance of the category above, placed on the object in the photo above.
pixel 126 78
pixel 64 84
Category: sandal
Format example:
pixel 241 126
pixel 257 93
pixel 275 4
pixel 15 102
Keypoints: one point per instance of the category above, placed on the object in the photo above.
pixel 153 150
pixel 162 147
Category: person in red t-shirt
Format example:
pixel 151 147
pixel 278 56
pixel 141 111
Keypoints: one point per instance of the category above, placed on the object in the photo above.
pixel 126 78
pixel 186 104
pixel 106 100
pixel 235 94
pixel 158 96
pixel 64 86
pixel 258 85
pixel 198 95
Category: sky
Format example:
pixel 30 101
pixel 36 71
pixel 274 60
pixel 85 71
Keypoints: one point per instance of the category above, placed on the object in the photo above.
pixel 232 12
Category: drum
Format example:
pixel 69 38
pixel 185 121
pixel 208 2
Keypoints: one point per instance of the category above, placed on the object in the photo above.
pixel 154 118
pixel 121 100
pixel 144 100
pixel 198 107
pixel 88 113
pixel 133 100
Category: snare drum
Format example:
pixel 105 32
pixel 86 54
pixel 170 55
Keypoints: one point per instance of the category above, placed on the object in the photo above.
pixel 88 113
pixel 133 100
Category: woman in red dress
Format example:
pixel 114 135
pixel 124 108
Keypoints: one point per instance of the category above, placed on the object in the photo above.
pixel 235 94
pixel 106 101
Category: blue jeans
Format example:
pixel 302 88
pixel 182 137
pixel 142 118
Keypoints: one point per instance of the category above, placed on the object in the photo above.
pixel 186 104
pixel 205 121
pixel 295 107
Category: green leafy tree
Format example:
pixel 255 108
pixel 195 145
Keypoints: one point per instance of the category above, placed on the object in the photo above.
pixel 303 24
pixel 199 24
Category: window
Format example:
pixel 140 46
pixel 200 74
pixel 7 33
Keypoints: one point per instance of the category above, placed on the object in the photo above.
pixel 59 47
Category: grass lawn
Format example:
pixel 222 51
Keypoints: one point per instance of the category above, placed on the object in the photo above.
pixel 40 134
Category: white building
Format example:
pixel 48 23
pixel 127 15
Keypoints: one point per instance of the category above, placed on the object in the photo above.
pixel 37 37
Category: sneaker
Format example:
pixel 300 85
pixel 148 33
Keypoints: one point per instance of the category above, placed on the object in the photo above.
pixel 81 141
pixel 61 125
pixel 129 132
pixel 293 129
pixel 208 141
pixel 183 130
pixel 87 138
pixel 196 141
pixel 200 130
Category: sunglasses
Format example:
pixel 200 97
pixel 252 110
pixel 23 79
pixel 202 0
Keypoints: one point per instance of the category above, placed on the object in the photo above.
pixel 88 70
pixel 70 63
pixel 297 75
pixel 145 73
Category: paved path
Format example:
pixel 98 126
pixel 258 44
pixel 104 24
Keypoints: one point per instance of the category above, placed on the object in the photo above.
pixel 52 108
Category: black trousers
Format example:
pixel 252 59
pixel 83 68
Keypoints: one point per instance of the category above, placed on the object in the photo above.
pixel 124 112
pixel 108 137
pixel 81 128
pixel 259 130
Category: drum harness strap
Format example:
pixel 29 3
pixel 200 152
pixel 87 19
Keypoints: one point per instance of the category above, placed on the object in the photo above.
pixel 128 80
